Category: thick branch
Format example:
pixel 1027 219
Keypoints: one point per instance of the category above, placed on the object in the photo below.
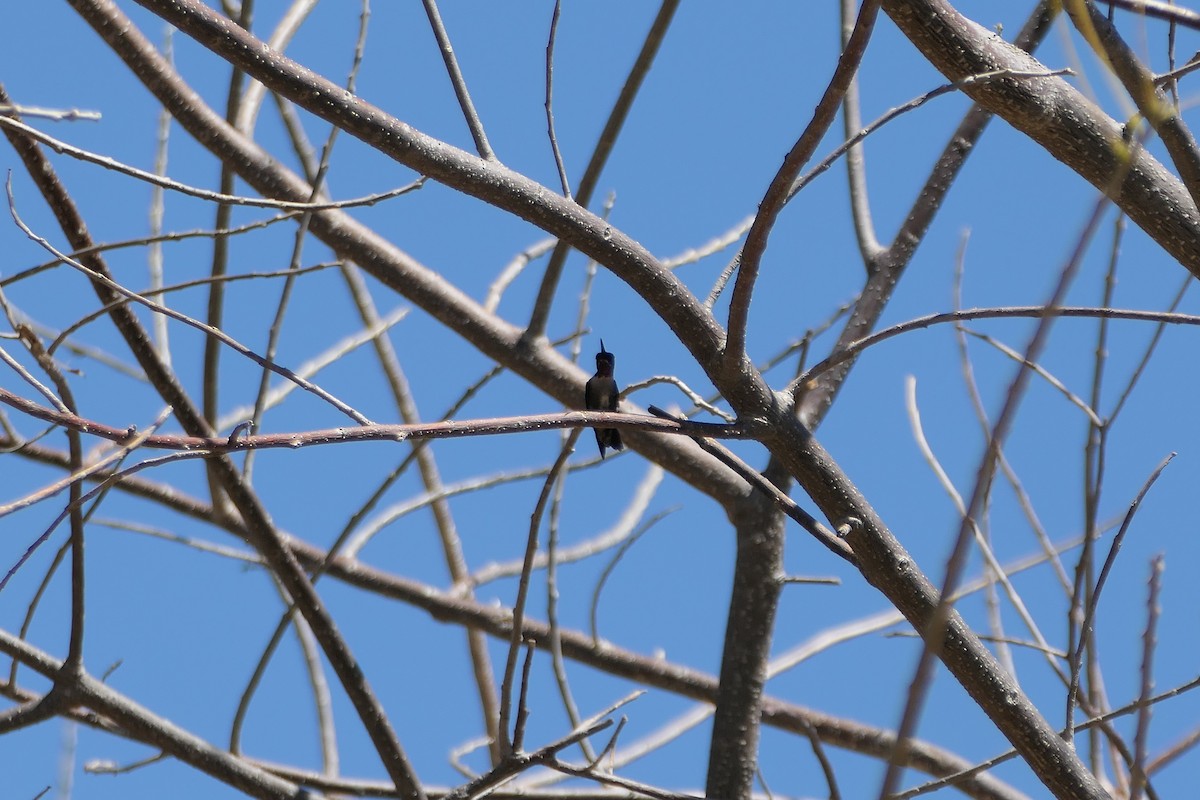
pixel 1162 115
pixel 493 183
pixel 890 568
pixel 1150 195
pixel 757 580
pixel 449 608
pixel 264 537
pixel 1059 118
pixel 140 723
pixel 538 363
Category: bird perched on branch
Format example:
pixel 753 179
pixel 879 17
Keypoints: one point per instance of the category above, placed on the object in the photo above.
pixel 601 394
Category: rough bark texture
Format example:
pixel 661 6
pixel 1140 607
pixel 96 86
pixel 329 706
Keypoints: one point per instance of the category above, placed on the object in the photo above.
pixel 1058 117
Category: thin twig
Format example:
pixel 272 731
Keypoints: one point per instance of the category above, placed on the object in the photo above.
pixel 154 252
pixel 977 404
pixel 698 401
pixel 508 742
pixel 396 433
pixel 176 315
pixel 857 137
pixel 934 632
pixel 1038 370
pixel 143 241
pixel 856 169
pixel 785 503
pixel 621 531
pixel 252 98
pixel 776 195
pixel 317 181
pixel 72 482
pixel 53 114
pixel 1151 348
pixel 607 571
pixel 558 159
pixel 600 154
pixel 308 369
pixel 518 737
pixel 558 663
pixel 995 568
pixel 1085 629
pixel 474 124
pixel 512 271
pixel 823 760
pixel 204 194
pixel 1139 774
pixel 1010 312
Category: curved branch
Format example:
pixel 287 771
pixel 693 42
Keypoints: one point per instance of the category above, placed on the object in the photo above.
pixel 887 265
pixel 538 363
pixel 488 181
pixel 777 193
pixel 263 534
pixel 451 608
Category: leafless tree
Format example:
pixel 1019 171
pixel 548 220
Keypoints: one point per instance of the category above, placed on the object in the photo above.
pixel 762 464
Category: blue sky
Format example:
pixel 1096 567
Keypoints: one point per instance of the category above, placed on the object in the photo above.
pixel 732 88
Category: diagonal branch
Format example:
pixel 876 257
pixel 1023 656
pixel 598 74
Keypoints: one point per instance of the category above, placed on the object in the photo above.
pixel 1057 116
pixel 448 607
pixel 777 193
pixel 482 146
pixel 604 147
pixel 140 723
pixel 493 183
pixel 262 532
pixel 538 363
pixel 1164 117
pixel 886 265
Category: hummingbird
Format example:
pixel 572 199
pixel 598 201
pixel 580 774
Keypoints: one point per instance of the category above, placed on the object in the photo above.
pixel 601 394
